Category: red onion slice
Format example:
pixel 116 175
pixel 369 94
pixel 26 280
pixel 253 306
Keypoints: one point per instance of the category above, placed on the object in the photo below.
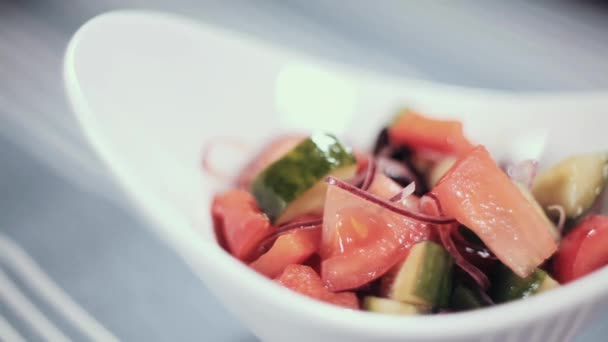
pixel 445 234
pixel 562 216
pixel 480 250
pixel 286 228
pixel 478 276
pixel 485 297
pixel 407 191
pixel 523 172
pixel 388 205
pixel 401 172
pixel 369 174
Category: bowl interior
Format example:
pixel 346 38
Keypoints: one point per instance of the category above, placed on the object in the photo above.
pixel 152 90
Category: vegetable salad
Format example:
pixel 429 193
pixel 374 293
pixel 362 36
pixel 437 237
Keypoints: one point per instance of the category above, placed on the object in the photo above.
pixel 426 222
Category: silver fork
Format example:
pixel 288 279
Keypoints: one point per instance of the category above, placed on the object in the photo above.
pixel 39 283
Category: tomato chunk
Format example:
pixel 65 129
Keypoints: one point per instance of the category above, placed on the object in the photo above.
pixel 239 223
pixel 305 280
pixel 420 132
pixel 583 250
pixel 362 240
pixel 291 248
pixel 481 196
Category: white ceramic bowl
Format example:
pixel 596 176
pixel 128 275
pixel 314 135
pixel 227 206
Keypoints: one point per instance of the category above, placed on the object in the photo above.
pixel 150 90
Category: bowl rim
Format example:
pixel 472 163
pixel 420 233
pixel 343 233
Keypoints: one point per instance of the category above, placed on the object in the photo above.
pixel 204 254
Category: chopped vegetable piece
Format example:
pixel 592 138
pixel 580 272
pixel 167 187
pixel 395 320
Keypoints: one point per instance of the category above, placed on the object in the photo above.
pixel 507 286
pixel 523 172
pixel 478 194
pixel 423 160
pixel 268 155
pixel 583 250
pixel 574 183
pixel 445 288
pixel 438 170
pixel 424 278
pixel 386 188
pixel 239 222
pixel 292 248
pixel 464 298
pixel 419 132
pixel 389 306
pixel 530 198
pixel 363 240
pixel 430 204
pixel 295 184
pixel 401 173
pixel 304 280
pixel 473 250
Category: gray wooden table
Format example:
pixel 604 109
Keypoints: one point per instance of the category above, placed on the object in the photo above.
pixel 59 205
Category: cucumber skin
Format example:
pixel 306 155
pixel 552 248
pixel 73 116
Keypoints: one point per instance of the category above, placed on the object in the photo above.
pixel 464 298
pixel 297 171
pixel 507 286
pixel 435 279
pixel 445 291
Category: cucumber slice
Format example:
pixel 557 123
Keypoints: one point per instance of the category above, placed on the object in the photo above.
pixel 463 298
pixel 507 286
pixel 438 170
pixel 389 306
pixel 574 183
pixel 423 279
pixel 528 195
pixel 295 184
pixel 445 290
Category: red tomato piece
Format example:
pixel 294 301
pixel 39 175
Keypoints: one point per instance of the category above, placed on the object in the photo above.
pixel 362 240
pixel 239 222
pixel 420 132
pixel 292 248
pixel 353 228
pixel 268 155
pixel 304 280
pixel 583 250
pixel 477 193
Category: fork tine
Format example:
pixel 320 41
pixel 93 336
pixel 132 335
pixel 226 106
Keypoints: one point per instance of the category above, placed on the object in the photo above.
pixel 37 280
pixel 11 294
pixel 8 333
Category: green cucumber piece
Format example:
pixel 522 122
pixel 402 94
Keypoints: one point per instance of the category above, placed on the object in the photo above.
pixel 295 184
pixel 389 306
pixel 574 183
pixel 463 298
pixel 438 170
pixel 424 278
pixel 555 233
pixel 507 286
pixel 445 291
